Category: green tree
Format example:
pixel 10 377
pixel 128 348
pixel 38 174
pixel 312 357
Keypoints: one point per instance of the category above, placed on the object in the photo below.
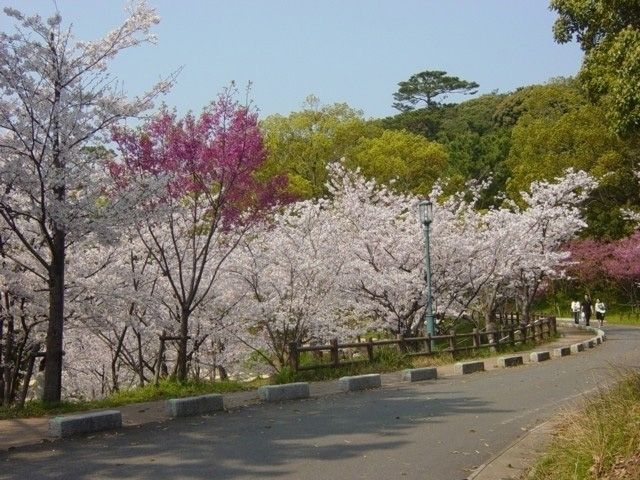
pixel 609 33
pixel 408 161
pixel 424 121
pixel 301 144
pixel 551 100
pixel 476 145
pixel 425 86
pixel 543 147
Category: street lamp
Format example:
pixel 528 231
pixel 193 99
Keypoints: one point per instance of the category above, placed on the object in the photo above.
pixel 425 209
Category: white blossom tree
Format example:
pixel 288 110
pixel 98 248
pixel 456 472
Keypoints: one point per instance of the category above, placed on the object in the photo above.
pixel 56 99
pixel 284 282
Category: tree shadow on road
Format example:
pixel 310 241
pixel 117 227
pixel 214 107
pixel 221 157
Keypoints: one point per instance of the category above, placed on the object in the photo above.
pixel 261 441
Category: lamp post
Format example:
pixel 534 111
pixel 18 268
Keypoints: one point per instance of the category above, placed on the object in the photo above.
pixel 425 209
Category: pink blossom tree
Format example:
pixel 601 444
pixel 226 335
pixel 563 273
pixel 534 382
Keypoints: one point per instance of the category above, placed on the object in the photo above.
pixel 623 264
pixel 191 226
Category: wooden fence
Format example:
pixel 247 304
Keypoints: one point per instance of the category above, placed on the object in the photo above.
pixel 544 327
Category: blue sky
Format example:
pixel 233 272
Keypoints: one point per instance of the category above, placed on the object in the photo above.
pixel 353 51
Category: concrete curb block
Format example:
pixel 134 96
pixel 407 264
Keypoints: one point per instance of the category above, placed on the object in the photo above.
pixel 464 368
pixel 288 391
pixel 577 347
pixel 539 356
pixel 512 361
pixel 69 425
pixel 360 382
pixel 600 337
pixel 190 406
pixel 561 352
pixel 419 374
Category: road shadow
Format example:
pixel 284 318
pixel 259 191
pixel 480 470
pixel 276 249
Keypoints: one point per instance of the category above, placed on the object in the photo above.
pixel 260 441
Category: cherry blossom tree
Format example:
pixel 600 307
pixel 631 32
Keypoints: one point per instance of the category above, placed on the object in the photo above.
pixel 596 264
pixel 22 318
pixel 382 241
pixel 284 283
pixel 190 227
pixel 353 261
pixel 623 265
pixel 117 296
pixel 550 218
pixel 56 98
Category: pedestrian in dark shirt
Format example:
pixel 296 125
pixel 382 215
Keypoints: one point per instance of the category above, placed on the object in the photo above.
pixel 587 307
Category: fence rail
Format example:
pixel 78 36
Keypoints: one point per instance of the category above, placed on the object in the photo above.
pixel 455 342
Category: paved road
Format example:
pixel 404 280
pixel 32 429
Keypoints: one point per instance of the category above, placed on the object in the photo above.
pixel 434 430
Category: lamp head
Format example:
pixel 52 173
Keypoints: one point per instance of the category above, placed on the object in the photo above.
pixel 425 209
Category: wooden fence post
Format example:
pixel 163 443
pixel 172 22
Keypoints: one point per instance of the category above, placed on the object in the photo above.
pixel 495 339
pixel 554 325
pixel 476 338
pixel 512 335
pixel 402 344
pixel 452 341
pixel 370 349
pixel 523 332
pixel 533 332
pixel 335 357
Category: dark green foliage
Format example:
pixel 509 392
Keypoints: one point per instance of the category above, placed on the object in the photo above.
pixel 609 33
pixel 425 122
pixel 425 86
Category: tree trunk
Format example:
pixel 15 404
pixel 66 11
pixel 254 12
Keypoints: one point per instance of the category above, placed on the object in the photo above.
pixel 8 360
pixel 2 402
pixel 115 384
pixel 182 346
pixel 140 361
pixel 52 392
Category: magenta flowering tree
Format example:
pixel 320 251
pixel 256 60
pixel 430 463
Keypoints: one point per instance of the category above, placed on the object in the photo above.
pixel 205 203
pixel 623 265
pixel 597 263
pixel 588 260
pixel 623 262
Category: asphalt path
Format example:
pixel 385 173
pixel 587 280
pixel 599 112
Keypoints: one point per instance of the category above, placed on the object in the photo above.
pixel 436 430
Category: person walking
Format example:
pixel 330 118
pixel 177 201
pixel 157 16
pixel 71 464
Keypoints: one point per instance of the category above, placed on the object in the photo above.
pixel 600 311
pixel 575 309
pixel 587 308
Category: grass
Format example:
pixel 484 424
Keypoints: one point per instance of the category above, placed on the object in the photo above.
pixel 600 438
pixel 616 314
pixel 623 318
pixel 389 359
pixel 165 389
pixel 386 360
